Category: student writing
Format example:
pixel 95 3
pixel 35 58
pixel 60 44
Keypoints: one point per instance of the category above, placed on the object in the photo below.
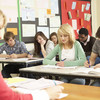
pixel 67 48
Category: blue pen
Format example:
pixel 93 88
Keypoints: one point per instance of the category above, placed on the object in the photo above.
pixel 89 63
pixel 63 59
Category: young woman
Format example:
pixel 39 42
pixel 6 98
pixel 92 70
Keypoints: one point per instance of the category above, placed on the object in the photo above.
pixel 42 45
pixel 7 94
pixel 53 38
pixel 70 52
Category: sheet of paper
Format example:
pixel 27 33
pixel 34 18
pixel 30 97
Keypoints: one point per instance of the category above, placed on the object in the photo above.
pixel 53 30
pixel 73 5
pixel 53 66
pixel 20 59
pixel 87 6
pixel 28 30
pixel 55 21
pixel 45 30
pixel 74 24
pixel 43 21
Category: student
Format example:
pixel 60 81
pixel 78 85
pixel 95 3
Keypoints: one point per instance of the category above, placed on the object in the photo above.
pixel 86 41
pixel 95 53
pixel 53 38
pixel 13 49
pixel 70 52
pixel 42 45
pixel 7 94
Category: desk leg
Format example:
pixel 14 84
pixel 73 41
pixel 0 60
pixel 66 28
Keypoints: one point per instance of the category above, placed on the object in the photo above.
pixel 2 65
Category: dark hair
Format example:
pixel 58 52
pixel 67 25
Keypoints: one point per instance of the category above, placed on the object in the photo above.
pixel 83 31
pixel 98 33
pixel 53 34
pixel 8 35
pixel 37 47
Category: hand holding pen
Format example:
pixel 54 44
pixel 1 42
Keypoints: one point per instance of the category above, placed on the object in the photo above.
pixel 89 63
pixel 61 63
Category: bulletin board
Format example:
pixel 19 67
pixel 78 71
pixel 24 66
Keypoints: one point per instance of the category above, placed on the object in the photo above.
pixel 26 17
pixel 77 13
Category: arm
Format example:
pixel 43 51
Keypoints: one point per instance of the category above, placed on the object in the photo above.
pixel 80 57
pixel 92 60
pixel 49 47
pixel 50 56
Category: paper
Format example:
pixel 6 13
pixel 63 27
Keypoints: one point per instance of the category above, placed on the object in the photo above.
pixel 42 21
pixel 45 30
pixel 83 6
pixel 54 7
pixel 73 5
pixel 38 84
pixel 87 6
pixel 55 21
pixel 74 24
pixel 53 30
pixel 53 66
pixel 14 30
pixel 21 59
pixel 62 95
pixel 28 30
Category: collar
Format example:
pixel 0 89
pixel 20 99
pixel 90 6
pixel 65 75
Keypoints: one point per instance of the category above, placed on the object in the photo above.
pixel 88 39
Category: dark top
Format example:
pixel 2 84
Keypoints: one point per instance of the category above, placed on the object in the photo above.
pixel 88 47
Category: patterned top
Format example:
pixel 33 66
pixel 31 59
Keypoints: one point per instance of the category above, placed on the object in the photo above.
pixel 18 48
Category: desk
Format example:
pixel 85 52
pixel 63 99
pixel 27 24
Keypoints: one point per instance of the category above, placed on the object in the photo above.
pixel 57 72
pixel 81 92
pixel 25 62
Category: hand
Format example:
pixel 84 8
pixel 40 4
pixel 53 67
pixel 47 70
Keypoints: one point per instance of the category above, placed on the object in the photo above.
pixel 30 56
pixel 60 63
pixel 43 42
pixel 97 66
pixel 54 92
pixel 13 56
pixel 86 64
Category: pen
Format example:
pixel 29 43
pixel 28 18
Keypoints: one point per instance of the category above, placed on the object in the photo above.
pixel 63 59
pixel 89 63
pixel 54 82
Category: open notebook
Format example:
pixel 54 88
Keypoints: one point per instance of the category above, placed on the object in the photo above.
pixel 85 70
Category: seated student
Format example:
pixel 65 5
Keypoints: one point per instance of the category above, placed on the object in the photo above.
pixel 95 53
pixel 13 49
pixel 42 45
pixel 86 41
pixel 53 38
pixel 70 52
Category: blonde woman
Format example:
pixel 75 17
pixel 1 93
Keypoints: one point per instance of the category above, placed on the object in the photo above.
pixel 69 50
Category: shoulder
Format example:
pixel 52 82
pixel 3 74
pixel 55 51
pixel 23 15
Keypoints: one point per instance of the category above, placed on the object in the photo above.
pixel 49 42
pixel 92 38
pixel 19 42
pixel 76 43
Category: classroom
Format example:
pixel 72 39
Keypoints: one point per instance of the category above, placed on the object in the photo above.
pixel 49 49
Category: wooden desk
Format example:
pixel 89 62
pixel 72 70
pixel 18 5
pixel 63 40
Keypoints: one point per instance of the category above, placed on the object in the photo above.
pixel 24 62
pixel 81 92
pixel 56 72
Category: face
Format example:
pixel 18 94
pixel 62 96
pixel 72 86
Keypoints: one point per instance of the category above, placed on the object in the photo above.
pixel 11 42
pixel 82 37
pixel 54 39
pixel 64 38
pixel 40 39
pixel 1 21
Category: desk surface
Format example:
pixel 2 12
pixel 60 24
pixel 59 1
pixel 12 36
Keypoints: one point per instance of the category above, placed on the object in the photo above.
pixel 81 92
pixel 20 60
pixel 60 72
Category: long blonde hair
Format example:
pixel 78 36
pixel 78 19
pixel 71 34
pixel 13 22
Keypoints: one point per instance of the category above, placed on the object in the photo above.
pixel 4 19
pixel 66 29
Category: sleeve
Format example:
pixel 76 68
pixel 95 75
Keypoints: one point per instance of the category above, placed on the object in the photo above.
pixel 80 57
pixel 49 47
pixel 2 48
pixel 7 94
pixel 23 48
pixel 50 56
pixel 95 49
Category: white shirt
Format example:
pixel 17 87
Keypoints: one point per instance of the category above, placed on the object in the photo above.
pixel 69 54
